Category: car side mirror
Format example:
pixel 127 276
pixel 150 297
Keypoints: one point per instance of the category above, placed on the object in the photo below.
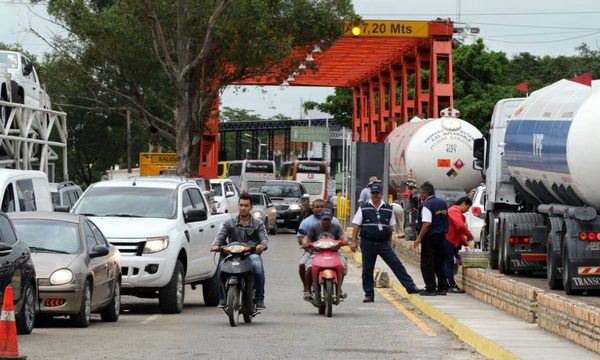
pixel 98 251
pixel 61 208
pixel 193 215
pixel 27 69
pixel 229 194
pixel 270 205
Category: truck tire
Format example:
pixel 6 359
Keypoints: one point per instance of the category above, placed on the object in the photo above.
pixel 492 241
pixel 210 291
pixel 503 248
pixel 553 263
pixel 566 272
pixel 172 295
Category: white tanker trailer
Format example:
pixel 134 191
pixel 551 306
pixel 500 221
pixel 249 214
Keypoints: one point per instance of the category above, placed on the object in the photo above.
pixel 436 150
pixel 541 161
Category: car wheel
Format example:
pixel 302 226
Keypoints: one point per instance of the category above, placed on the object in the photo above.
pixel 26 317
pixel 83 317
pixel 273 230
pixel 111 312
pixel 172 295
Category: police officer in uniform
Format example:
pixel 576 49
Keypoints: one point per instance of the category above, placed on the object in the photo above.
pixel 375 220
pixel 433 224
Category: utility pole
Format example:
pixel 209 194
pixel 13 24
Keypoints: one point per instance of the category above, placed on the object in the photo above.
pixel 128 142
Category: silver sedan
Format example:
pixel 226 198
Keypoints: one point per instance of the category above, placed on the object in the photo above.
pixel 264 210
pixel 78 272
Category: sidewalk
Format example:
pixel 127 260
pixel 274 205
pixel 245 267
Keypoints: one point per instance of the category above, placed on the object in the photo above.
pixel 492 332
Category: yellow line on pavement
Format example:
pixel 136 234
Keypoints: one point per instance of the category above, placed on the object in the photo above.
pixel 426 329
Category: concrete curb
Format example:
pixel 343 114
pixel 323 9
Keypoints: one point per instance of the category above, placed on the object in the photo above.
pixel 480 343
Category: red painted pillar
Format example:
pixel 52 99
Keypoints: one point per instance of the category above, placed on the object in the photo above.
pixel 209 144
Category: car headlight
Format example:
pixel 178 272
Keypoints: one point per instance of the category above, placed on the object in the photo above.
pixel 156 244
pixel 60 277
pixel 257 214
pixel 294 207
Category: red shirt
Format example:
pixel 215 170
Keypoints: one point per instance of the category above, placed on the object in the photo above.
pixel 458 233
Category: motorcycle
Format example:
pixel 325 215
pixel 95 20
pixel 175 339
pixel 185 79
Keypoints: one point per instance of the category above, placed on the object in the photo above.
pixel 327 270
pixel 237 279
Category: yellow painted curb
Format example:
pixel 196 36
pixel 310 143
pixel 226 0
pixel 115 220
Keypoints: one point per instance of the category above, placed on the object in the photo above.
pixel 480 343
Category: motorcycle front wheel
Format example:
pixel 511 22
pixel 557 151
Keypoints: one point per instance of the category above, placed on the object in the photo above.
pixel 233 304
pixel 328 297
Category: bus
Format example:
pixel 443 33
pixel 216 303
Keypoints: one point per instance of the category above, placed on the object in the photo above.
pixel 250 174
pixel 313 174
pixel 222 170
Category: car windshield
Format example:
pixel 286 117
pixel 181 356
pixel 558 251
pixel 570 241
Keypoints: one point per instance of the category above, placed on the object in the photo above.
pixel 8 60
pixel 257 199
pixel 49 235
pixel 131 201
pixel 218 189
pixel 281 190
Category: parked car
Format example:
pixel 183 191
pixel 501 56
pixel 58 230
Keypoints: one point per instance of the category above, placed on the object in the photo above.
pixel 264 210
pixel 164 231
pixel 65 193
pixel 226 195
pixel 287 196
pixel 78 271
pixel 16 268
pixel 474 222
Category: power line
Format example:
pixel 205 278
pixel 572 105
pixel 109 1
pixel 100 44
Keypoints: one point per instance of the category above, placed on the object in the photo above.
pixel 538 34
pixel 535 26
pixel 543 42
pixel 489 14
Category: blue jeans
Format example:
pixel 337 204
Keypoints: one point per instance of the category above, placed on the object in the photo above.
pixel 370 250
pixel 450 254
pixel 259 277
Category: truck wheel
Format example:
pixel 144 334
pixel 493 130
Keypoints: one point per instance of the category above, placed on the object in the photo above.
pixel 210 291
pixel 554 279
pixel 566 272
pixel 172 295
pixel 492 241
pixel 501 248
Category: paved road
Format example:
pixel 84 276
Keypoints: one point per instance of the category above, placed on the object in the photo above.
pixel 288 329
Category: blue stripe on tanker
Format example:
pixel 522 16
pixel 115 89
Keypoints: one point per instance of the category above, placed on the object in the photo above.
pixel 538 145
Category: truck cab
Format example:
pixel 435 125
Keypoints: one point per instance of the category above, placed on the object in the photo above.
pixel 19 82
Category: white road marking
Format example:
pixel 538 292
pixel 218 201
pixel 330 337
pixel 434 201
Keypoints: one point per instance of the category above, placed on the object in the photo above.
pixel 150 319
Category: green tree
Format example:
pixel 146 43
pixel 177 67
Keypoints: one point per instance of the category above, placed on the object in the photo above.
pixel 232 114
pixel 168 59
pixel 339 105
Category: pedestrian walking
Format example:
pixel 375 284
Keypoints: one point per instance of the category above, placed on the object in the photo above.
pixel 433 225
pixel 365 194
pixel 374 221
pixel 458 235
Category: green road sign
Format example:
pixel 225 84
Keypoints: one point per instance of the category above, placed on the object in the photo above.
pixel 310 134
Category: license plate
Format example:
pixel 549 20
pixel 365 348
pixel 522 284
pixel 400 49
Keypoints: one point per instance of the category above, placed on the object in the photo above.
pixel 593 246
pixel 279 221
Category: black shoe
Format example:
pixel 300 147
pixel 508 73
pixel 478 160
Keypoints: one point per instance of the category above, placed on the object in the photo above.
pixel 456 290
pixel 441 292
pixel 427 293
pixel 260 304
pixel 368 299
pixel 414 290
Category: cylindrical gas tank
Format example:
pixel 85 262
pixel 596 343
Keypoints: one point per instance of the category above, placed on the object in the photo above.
pixel 552 145
pixel 436 150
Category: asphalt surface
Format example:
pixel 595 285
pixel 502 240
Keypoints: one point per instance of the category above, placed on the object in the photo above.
pixel 290 328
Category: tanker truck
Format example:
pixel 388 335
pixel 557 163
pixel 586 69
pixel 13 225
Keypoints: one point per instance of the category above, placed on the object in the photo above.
pixel 541 163
pixel 436 150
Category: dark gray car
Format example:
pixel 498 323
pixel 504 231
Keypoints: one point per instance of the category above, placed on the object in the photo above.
pixel 287 197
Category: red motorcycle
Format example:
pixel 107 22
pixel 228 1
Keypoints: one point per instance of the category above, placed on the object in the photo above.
pixel 327 271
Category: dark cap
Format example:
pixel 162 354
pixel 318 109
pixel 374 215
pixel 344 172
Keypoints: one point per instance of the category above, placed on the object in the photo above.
pixel 376 188
pixel 326 214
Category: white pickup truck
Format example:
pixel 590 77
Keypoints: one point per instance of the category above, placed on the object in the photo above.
pixel 164 230
pixel 19 82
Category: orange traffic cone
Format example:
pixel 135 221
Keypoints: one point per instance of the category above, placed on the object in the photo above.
pixel 8 329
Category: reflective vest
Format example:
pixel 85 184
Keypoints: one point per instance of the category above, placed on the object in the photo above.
pixel 374 220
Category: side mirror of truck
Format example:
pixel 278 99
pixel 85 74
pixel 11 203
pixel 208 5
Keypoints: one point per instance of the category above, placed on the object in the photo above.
pixel 229 194
pixel 27 69
pixel 479 154
pixel 193 215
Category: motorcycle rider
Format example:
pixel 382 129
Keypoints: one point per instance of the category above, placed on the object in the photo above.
pixel 244 228
pixel 317 207
pixel 315 231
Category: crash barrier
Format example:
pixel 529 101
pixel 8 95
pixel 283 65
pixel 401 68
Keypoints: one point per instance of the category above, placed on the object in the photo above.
pixel 568 318
pixel 343 209
pixel 8 328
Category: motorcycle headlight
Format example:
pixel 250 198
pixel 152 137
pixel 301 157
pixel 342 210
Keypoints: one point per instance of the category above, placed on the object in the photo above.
pixel 257 214
pixel 156 244
pixel 60 277
pixel 237 249
pixel 294 207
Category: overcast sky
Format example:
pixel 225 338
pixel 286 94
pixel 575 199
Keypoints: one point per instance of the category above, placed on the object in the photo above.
pixel 541 27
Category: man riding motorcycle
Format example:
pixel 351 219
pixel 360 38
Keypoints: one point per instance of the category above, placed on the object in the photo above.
pixel 244 228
